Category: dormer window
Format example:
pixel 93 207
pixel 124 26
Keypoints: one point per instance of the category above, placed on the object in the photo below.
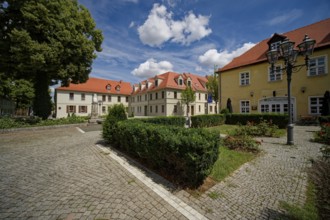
pixel 189 83
pixel 147 85
pixel 108 87
pixel 156 82
pixel 274 46
pixel 180 82
pixel 118 88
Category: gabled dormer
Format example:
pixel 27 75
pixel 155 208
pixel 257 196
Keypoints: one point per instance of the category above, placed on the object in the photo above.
pixel 158 81
pixel 108 87
pixel 117 88
pixel 180 81
pixel 275 41
pixel 188 81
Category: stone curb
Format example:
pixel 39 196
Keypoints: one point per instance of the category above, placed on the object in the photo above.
pixel 3 131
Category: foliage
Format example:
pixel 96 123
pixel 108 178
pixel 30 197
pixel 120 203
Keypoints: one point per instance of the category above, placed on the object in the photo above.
pixel 212 86
pixel 47 41
pixel 8 122
pixel 264 128
pixel 326 104
pixel 323 136
pixel 229 161
pixel 224 129
pixel 163 120
pixel 225 111
pixel 276 119
pixel 115 113
pixel 324 119
pixel 187 155
pixel 243 143
pixel 200 121
pixel 22 93
pixel 188 96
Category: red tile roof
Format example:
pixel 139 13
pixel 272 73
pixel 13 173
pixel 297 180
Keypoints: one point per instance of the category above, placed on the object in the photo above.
pixel 97 85
pixel 170 81
pixel 319 31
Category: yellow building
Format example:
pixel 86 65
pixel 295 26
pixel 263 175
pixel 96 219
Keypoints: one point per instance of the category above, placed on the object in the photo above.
pixel 253 88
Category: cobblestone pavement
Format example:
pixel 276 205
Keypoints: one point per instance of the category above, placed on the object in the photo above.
pixel 61 174
pixel 255 190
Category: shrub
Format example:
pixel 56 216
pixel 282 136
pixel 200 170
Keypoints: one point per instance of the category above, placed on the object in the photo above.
pixel 187 155
pixel 115 113
pixel 243 142
pixel 264 128
pixel 323 136
pixel 163 120
pixel 7 123
pixel 199 121
pixel 277 119
pixel 324 119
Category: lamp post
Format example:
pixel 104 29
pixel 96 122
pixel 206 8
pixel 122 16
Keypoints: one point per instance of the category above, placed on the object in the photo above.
pixel 289 54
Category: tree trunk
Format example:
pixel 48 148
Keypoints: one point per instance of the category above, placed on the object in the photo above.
pixel 42 101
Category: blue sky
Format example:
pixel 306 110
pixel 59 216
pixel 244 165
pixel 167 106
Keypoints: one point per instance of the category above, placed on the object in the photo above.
pixel 143 38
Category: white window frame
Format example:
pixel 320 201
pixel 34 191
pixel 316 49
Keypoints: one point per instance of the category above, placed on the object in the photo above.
pixel 246 78
pixel 318 105
pixel 317 66
pixel 243 108
pixel 278 73
pixel 275 45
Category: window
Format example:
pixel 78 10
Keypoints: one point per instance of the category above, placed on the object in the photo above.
pixel 276 108
pixel 315 105
pixel 245 106
pixel 71 96
pixel 189 83
pixel 211 108
pixel 264 108
pixel 175 110
pixel 244 78
pixel 156 110
pixel 126 98
pixel 276 74
pixel 118 88
pixel 82 109
pixel 103 109
pixel 108 87
pixel 163 94
pixel 205 97
pixel 103 98
pixel 317 66
pixel 83 97
pixel 275 45
pixel 145 97
pixel 180 82
pixel 175 95
pixel 156 82
pixel 70 109
pixel 119 99
pixel 150 96
pixel 163 108
pixel 156 95
pixel 150 109
pixel 109 98
pixel 199 96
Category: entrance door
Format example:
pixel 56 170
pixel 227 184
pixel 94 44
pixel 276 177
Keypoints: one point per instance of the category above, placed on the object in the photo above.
pixel 277 105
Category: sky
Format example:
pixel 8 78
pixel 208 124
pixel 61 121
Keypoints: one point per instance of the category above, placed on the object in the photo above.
pixel 143 38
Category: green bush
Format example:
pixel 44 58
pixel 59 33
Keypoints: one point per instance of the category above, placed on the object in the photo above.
pixel 186 155
pixel 163 120
pixel 243 143
pixel 115 113
pixel 323 136
pixel 7 123
pixel 324 119
pixel 264 128
pixel 201 121
pixel 280 120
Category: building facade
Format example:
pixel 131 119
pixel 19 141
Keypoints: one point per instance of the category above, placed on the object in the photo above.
pixel 161 96
pixel 253 88
pixel 78 98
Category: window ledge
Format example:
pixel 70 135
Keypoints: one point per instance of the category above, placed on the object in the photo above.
pixel 245 85
pixel 320 75
pixel 275 81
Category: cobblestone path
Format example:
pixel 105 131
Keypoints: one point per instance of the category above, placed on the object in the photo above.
pixel 255 190
pixel 61 174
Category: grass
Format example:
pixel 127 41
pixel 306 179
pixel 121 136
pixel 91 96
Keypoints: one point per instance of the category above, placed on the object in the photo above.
pixel 308 211
pixel 229 161
pixel 224 129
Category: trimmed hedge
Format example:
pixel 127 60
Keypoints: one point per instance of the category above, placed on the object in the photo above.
pixel 201 121
pixel 163 120
pixel 187 155
pixel 276 119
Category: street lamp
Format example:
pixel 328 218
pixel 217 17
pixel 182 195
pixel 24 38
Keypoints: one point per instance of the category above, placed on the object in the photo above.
pixel 289 54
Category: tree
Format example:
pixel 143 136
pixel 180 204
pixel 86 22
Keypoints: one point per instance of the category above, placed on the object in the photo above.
pixel 213 88
pixel 326 104
pixel 22 93
pixel 188 96
pixel 45 41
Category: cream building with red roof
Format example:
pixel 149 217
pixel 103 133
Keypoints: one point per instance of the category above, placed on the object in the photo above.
pixel 161 95
pixel 253 88
pixel 78 98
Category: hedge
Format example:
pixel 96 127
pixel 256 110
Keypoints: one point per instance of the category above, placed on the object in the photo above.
pixel 200 121
pixel 187 155
pixel 277 119
pixel 163 120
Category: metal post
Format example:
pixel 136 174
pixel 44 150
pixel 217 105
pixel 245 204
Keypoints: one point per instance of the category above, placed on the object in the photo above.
pixel 290 124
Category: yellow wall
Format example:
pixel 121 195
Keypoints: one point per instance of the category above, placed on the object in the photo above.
pixel 262 88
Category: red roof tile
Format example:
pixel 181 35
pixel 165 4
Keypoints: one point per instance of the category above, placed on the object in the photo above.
pixel 97 85
pixel 319 31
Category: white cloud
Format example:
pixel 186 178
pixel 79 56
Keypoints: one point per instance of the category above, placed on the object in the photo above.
pixel 213 57
pixel 160 28
pixel 285 18
pixel 151 68
pixel 132 24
